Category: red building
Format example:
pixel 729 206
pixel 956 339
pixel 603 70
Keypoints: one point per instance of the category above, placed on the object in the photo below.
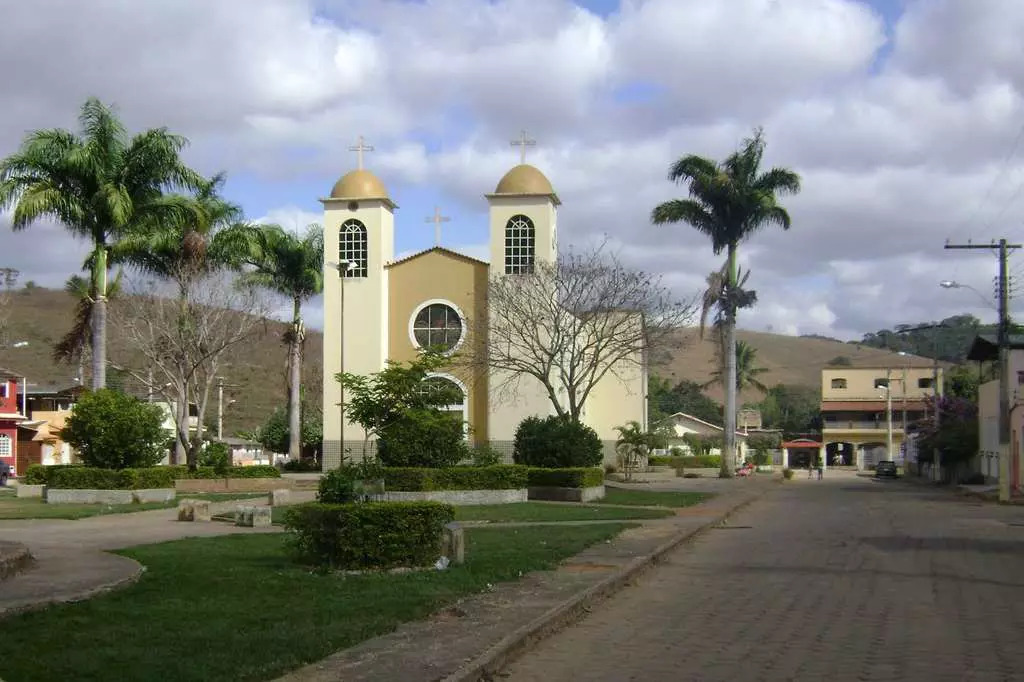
pixel 10 417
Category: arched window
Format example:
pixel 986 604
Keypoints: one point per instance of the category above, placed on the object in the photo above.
pixel 520 245
pixel 352 247
pixel 437 323
pixel 458 409
pixel 5 445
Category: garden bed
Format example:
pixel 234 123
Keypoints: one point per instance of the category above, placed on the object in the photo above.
pixel 577 484
pixel 460 485
pixel 458 497
pixel 232 485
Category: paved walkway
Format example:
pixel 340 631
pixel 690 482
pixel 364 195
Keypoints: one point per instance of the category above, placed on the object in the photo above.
pixel 72 557
pixel 842 579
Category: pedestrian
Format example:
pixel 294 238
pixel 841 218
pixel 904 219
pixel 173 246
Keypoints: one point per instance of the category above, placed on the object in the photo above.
pixel 820 471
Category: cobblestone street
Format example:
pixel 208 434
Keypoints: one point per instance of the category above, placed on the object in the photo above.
pixel 842 579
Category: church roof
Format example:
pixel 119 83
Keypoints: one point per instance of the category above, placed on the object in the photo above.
pixel 525 180
pixel 360 184
pixel 442 250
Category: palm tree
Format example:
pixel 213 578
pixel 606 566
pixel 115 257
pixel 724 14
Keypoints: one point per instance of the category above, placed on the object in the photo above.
pixel 290 265
pixel 729 201
pixel 73 345
pixel 204 235
pixel 747 372
pixel 101 185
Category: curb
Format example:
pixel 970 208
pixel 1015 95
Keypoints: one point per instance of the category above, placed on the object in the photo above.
pixel 484 666
pixel 83 595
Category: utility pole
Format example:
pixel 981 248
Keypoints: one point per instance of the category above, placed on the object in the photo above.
pixel 220 406
pixel 888 414
pixel 1003 289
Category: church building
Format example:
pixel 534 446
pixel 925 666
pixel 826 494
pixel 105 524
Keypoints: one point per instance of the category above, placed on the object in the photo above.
pixel 377 309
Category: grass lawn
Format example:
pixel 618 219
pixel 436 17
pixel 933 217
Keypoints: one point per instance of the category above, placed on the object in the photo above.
pixel 651 498
pixel 538 511
pixel 236 608
pixel 12 507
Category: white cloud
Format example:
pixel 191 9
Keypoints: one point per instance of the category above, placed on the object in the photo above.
pixel 895 155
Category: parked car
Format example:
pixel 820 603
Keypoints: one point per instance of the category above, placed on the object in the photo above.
pixel 886 469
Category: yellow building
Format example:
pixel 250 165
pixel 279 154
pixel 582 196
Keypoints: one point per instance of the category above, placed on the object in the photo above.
pixel 381 309
pixel 856 414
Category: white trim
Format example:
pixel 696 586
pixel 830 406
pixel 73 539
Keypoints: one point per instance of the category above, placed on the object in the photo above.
pixel 465 399
pixel 442 301
pixel 8 449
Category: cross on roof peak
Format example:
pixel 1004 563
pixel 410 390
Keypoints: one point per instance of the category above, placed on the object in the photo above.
pixel 437 219
pixel 523 142
pixel 359 149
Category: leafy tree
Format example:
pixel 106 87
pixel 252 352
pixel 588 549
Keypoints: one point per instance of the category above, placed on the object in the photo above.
pixel 292 266
pixel 728 202
pixel 961 381
pixel 948 339
pixel 275 435
pixel 747 372
pixel 379 400
pixel 556 441
pixel 794 409
pixel 113 430
pixel 957 435
pixel 762 442
pixel 686 397
pixel 423 438
pixel 634 443
pixel 101 185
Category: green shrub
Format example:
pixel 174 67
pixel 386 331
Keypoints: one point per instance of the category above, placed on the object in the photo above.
pixel 255 471
pixel 94 478
pixel 555 442
pixel 577 477
pixel 366 536
pixel 486 456
pixel 302 465
pixel 501 477
pixel 423 438
pixel 113 430
pixel 787 473
pixel 336 487
pixel 39 474
pixel 216 455
pixel 688 462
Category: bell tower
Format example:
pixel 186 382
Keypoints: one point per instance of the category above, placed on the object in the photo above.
pixel 523 213
pixel 359 240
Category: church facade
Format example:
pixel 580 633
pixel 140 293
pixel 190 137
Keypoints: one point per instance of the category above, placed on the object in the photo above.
pixel 378 309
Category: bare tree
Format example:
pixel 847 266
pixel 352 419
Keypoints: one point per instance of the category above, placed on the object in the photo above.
pixel 571 324
pixel 185 340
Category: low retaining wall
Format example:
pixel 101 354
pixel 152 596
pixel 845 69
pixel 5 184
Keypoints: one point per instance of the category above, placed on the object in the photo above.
pixel 557 494
pixel 232 485
pixel 71 496
pixel 26 490
pixel 459 497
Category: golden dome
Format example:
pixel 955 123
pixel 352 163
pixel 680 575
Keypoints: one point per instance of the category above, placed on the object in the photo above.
pixel 525 179
pixel 359 184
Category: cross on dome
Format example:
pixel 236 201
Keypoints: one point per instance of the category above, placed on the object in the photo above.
pixel 523 142
pixel 359 149
pixel 437 219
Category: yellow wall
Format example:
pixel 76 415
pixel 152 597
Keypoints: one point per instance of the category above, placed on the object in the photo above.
pixel 442 277
pixel 860 383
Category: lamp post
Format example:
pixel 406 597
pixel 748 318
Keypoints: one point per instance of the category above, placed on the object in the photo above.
pixel 24 381
pixel 343 267
pixel 888 413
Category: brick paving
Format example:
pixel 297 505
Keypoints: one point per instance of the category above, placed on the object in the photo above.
pixel 841 579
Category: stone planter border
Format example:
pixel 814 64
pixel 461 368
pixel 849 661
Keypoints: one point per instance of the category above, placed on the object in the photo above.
pixel 34 490
pixel 85 496
pixel 459 497
pixel 232 485
pixel 557 494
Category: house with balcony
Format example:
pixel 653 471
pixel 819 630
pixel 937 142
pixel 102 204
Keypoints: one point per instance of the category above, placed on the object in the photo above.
pixel 10 417
pixel 860 406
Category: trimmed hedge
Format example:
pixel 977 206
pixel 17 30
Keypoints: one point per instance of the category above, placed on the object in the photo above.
pixel 255 471
pixel 368 535
pixel 500 477
pixel 38 474
pixel 689 461
pixel 78 477
pixel 575 477
pixel 92 478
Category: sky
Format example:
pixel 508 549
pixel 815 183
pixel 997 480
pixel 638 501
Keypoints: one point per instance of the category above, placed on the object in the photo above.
pixel 904 119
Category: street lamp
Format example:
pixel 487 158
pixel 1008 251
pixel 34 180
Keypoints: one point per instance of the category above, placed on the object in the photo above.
pixel 952 284
pixel 343 266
